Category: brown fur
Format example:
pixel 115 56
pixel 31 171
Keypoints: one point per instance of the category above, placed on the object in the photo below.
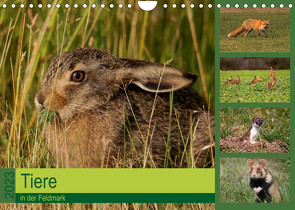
pixel 255 80
pixel 97 125
pixel 272 75
pixel 260 171
pixel 250 24
pixel 234 81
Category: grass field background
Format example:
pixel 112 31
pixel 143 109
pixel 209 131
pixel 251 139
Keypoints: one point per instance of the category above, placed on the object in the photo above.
pixel 237 121
pixel 278 33
pixel 234 179
pixel 244 92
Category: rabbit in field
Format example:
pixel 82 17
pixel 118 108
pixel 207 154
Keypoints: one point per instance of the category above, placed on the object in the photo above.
pixel 112 112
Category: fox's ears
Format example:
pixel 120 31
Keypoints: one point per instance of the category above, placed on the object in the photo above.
pixel 268 21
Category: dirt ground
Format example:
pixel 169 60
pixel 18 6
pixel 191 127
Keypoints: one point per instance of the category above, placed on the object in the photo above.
pixel 233 144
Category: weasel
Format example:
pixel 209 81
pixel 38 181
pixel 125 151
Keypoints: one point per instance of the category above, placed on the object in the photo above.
pixel 253 132
pixel 262 183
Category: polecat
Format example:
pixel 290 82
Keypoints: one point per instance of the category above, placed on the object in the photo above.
pixel 262 183
pixel 253 132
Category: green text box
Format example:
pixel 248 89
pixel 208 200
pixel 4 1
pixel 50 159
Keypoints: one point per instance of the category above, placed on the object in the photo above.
pixel 118 180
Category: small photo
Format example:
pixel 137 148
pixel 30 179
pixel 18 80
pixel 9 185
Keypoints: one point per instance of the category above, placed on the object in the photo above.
pixel 250 80
pixel 248 180
pixel 254 130
pixel 255 29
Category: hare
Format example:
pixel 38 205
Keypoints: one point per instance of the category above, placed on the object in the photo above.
pixel 233 81
pixel 236 82
pixel 112 112
pixel 255 80
pixel 272 76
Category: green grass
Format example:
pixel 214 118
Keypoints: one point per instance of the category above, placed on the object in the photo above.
pixel 237 121
pixel 234 179
pixel 254 93
pixel 278 33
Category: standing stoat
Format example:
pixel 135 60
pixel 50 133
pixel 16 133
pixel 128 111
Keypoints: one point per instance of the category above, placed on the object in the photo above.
pixel 262 183
pixel 253 132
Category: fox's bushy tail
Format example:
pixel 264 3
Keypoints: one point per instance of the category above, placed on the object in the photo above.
pixel 237 31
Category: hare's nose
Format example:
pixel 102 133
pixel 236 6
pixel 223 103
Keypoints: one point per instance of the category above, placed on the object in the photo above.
pixel 39 101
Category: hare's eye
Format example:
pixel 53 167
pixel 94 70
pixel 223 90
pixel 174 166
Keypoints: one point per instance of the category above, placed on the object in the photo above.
pixel 78 76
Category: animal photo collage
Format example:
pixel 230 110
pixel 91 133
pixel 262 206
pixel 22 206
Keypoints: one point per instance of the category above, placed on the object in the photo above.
pixel 255 104
pixel 147 104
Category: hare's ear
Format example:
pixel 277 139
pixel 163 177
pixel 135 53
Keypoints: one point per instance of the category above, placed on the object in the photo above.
pixel 155 77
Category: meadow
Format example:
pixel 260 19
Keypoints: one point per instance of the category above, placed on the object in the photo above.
pixel 234 179
pixel 245 93
pixel 30 37
pixel 237 121
pixel 278 33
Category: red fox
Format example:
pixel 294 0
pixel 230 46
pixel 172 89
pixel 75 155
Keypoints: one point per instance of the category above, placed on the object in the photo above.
pixel 249 25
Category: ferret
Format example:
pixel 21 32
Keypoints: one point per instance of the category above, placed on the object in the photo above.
pixel 253 132
pixel 262 183
pixel 255 80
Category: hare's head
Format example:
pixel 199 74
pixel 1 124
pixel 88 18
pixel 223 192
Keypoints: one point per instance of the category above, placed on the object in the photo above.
pixel 88 78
